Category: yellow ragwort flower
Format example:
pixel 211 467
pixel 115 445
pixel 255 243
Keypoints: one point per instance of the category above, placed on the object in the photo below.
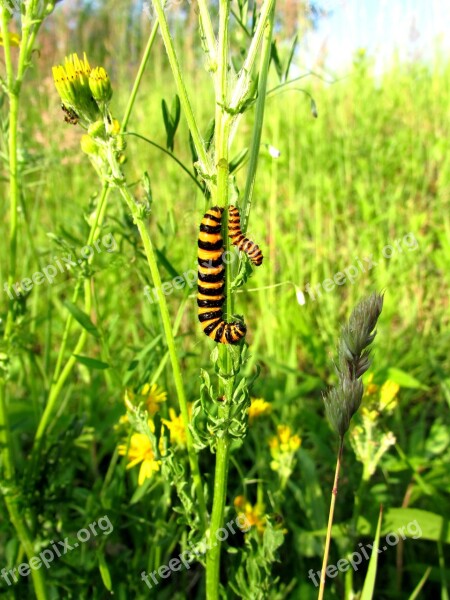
pixel 258 407
pixel 253 516
pixel 284 442
pixel 100 85
pixel 140 451
pixel 154 395
pixel 388 395
pixel 72 83
pixel 151 395
pixel 176 427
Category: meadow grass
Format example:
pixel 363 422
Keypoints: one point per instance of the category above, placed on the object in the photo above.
pixel 369 170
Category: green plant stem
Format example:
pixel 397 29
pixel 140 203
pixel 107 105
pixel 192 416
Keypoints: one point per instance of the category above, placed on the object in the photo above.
pixel 217 517
pixel 334 493
pixel 244 80
pixel 170 340
pixel 205 161
pixel 208 32
pixel 227 382
pixel 14 85
pixel 139 75
pixel 259 119
pixel 60 375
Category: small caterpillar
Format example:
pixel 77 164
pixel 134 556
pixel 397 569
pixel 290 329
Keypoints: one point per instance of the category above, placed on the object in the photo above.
pixel 238 238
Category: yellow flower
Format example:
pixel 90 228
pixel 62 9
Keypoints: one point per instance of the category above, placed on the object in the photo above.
pixel 140 451
pixel 258 407
pixel 284 441
pixel 100 85
pixel 388 393
pixel 382 399
pixel 176 427
pixel 72 83
pixel 14 39
pixel 370 388
pixel 253 516
pixel 151 395
pixel 283 447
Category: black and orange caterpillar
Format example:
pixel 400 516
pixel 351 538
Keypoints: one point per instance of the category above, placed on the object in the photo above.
pixel 238 238
pixel 211 282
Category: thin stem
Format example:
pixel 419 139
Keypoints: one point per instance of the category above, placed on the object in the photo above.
pixel 243 80
pixel 182 91
pixel 177 160
pixel 60 376
pixel 139 75
pixel 259 119
pixel 170 340
pixel 11 499
pixel 334 492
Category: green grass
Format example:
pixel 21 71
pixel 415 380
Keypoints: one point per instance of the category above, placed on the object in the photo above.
pixel 370 169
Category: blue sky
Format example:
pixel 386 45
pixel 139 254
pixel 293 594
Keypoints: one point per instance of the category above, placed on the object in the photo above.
pixel 412 27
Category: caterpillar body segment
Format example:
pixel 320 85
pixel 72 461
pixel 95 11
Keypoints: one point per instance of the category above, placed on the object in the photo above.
pixel 238 238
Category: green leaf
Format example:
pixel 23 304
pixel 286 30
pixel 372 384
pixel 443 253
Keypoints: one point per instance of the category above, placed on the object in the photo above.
pixel 91 363
pixel 82 318
pixel 276 60
pixel 238 159
pixel 291 56
pixel 369 582
pixel 209 134
pixel 420 585
pixel 416 523
pixel 404 379
pixel 104 572
pixel 175 113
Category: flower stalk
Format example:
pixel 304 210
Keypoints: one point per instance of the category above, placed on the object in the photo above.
pixel 343 401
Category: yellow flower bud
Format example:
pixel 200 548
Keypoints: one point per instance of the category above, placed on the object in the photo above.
pixel 88 145
pixel 100 85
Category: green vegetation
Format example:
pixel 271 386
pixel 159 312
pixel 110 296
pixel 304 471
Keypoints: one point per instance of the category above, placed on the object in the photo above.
pixel 349 203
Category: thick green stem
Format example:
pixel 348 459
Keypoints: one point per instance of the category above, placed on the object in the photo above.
pixel 217 518
pixel 227 383
pixel 170 340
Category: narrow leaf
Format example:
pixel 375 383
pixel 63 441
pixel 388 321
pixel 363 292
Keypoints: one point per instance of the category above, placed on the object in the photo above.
pixel 276 60
pixel 104 572
pixel 369 583
pixel 238 159
pixel 91 363
pixel 291 56
pixel 420 585
pixel 82 318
